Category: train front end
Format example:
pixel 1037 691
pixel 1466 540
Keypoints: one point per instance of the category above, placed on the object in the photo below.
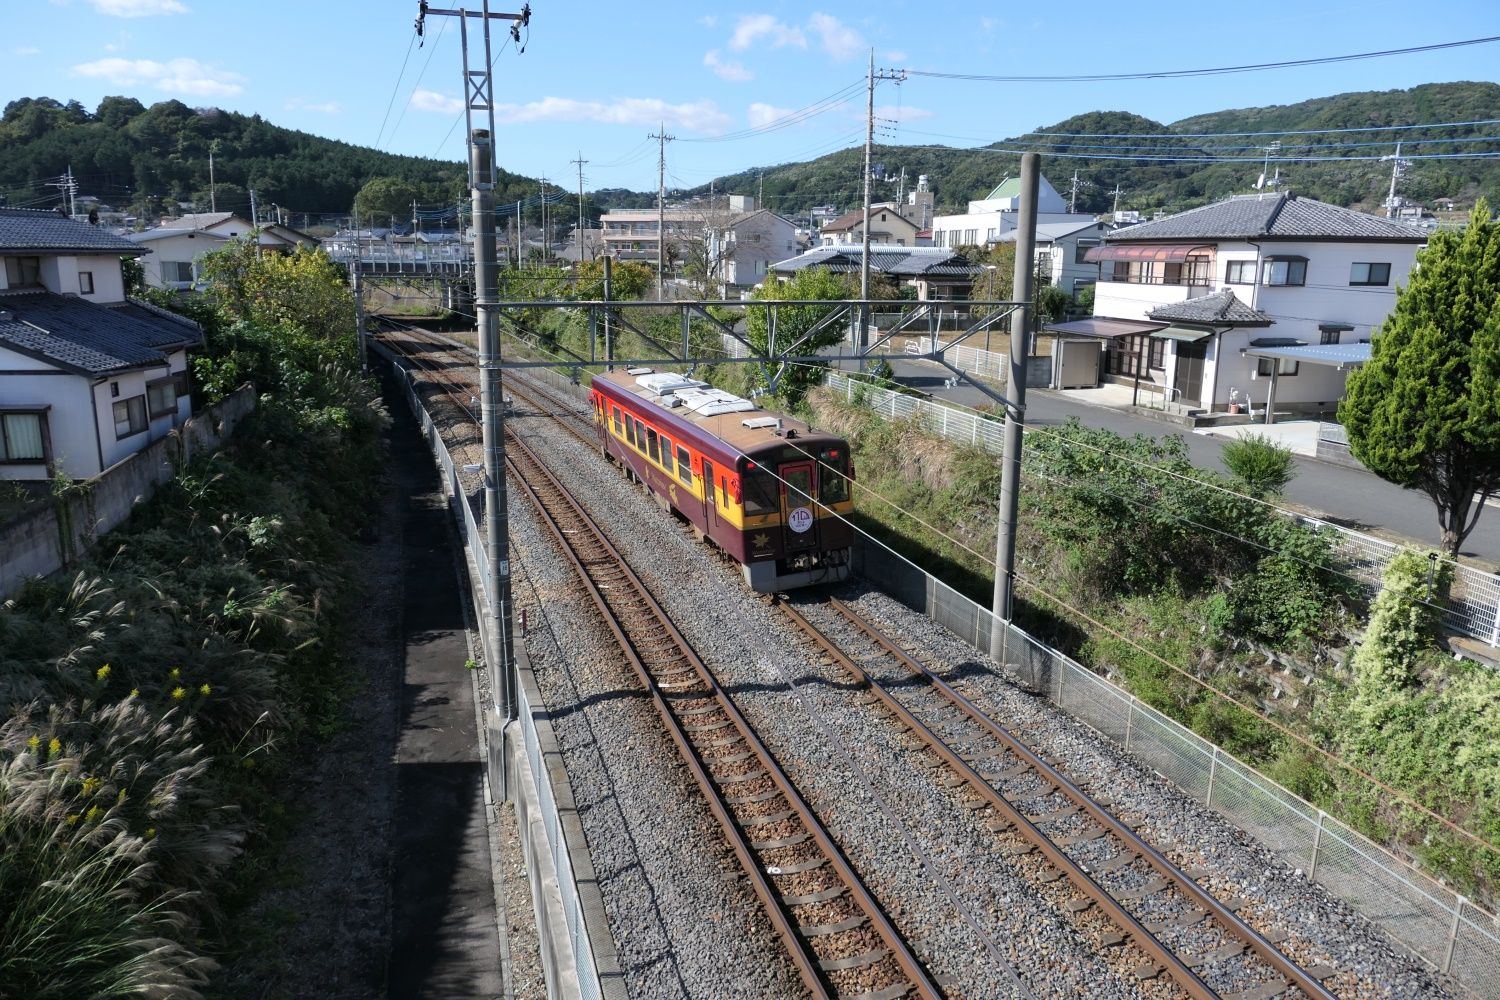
pixel 797 499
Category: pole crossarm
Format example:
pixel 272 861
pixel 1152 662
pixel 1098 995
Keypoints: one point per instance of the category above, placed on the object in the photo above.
pixel 985 321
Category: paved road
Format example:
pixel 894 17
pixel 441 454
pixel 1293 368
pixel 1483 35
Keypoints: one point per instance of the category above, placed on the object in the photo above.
pixel 1345 496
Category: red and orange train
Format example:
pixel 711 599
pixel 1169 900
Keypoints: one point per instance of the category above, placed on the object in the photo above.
pixel 768 490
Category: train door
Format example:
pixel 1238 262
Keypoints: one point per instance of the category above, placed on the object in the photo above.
pixel 797 506
pixel 710 498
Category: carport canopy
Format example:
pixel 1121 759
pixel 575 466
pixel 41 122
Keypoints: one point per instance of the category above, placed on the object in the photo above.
pixel 1103 326
pixel 1160 253
pixel 1184 334
pixel 1331 355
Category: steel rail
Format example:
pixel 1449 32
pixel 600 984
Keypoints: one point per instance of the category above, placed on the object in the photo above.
pixel 798 944
pixel 1131 841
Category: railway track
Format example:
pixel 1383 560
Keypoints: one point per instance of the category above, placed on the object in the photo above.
pixel 836 935
pixel 1186 933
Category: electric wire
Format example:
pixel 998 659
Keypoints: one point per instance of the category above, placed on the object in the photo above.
pixel 436 42
pixel 395 90
pixel 1177 74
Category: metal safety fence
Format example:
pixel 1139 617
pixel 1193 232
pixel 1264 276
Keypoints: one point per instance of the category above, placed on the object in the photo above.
pixel 1437 925
pixel 1473 605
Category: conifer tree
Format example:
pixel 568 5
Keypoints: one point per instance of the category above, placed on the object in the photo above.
pixel 1425 412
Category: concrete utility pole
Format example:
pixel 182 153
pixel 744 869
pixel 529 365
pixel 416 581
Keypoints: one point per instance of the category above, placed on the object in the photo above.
pixel 479 93
pixel 254 213
pixel 580 161
pixel 864 260
pixel 661 208
pixel 213 200
pixel 1015 412
pixel 1398 167
pixel 1117 197
pixel 359 300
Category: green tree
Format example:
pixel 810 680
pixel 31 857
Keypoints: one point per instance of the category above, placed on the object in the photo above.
pixel 304 290
pixel 1260 463
pixel 1425 412
pixel 793 379
pixel 385 197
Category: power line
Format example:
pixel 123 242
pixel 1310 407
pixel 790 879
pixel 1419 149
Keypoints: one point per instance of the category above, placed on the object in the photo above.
pixel 834 100
pixel 1236 135
pixel 407 106
pixel 1171 74
pixel 394 90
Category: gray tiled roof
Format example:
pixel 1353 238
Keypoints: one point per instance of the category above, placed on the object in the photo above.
pixel 1283 216
pixel 84 337
pixel 1219 308
pixel 33 229
pixel 884 259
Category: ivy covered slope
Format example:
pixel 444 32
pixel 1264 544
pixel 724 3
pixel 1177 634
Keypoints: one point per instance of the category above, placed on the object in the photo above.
pixel 144 158
pixel 155 700
pixel 958 175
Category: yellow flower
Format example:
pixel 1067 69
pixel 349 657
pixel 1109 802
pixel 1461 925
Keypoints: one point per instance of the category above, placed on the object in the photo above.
pixel 178 693
pixel 34 744
pixel 73 820
pixel 54 746
pixel 102 673
pixel 90 784
pixel 150 832
pixel 92 816
pixel 135 692
pixel 176 673
pixel 204 690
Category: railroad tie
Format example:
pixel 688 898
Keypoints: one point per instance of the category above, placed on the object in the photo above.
pixel 744 800
pixel 1115 863
pixel 1149 888
pixel 1055 814
pixel 739 779
pixel 798 867
pixel 853 961
pixel 1092 833
pixel 895 992
pixel 791 841
pixel 1186 918
pixel 821 896
pixel 823 930
pixel 1223 953
pixel 1265 991
pixel 766 819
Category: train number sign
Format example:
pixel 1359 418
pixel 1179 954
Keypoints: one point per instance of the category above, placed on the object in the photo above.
pixel 800 520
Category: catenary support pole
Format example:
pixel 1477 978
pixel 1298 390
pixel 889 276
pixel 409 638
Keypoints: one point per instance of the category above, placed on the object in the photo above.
pixel 1015 413
pixel 864 258
pixel 492 415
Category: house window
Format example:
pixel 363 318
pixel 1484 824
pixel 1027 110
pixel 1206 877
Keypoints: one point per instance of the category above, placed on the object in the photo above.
pixel 1123 354
pixel 85 282
pixel 130 417
pixel 1265 366
pixel 1080 251
pixel 1285 271
pixel 178 271
pixel 1326 336
pixel 1369 274
pixel 973 235
pixel 1240 272
pixel 22 271
pixel 161 396
pixel 21 437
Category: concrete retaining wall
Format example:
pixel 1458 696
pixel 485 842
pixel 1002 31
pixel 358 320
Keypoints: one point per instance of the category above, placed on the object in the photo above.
pixel 56 534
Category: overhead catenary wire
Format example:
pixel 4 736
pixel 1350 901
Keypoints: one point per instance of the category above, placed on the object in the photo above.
pixel 395 89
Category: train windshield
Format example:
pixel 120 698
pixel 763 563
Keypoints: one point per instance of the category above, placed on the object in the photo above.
pixel 760 492
pixel 833 484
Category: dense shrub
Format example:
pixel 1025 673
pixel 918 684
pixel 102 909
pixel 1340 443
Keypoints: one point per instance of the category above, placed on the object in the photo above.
pixel 1262 465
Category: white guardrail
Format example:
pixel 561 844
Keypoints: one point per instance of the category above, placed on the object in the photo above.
pixel 1431 921
pixel 1473 607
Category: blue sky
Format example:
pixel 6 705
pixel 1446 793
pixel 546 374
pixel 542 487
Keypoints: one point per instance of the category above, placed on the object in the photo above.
pixel 596 78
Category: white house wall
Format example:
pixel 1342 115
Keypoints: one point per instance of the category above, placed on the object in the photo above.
pixel 70 421
pixel 185 249
pixel 59 273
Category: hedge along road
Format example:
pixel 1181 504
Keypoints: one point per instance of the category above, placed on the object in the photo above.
pixel 1350 497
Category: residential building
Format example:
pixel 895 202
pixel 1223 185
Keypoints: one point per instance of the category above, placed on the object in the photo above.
pixel 1183 303
pixel 631 233
pixel 1061 249
pixel 88 376
pixel 888 226
pixel 179 244
pixel 744 248
pixel 991 217
pixel 935 273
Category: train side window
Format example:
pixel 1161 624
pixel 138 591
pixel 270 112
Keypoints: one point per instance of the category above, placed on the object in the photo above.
pixel 666 453
pixel 762 495
pixel 833 485
pixel 684 465
pixel 640 436
pixel 629 431
pixel 619 431
pixel 708 482
pixel 652 446
pixel 724 490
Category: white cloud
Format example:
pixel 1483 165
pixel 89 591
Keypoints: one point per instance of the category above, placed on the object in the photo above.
pixel 726 70
pixel 896 56
pixel 26 50
pixel 754 27
pixel 839 40
pixel 696 116
pixel 307 104
pixel 764 114
pixel 138 8
pixel 431 100
pixel 178 76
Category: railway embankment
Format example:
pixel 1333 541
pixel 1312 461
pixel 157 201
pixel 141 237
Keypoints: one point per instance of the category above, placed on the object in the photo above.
pixel 1173 589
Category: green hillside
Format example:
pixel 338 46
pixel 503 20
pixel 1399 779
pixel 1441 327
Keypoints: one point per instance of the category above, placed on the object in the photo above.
pixel 139 158
pixel 958 175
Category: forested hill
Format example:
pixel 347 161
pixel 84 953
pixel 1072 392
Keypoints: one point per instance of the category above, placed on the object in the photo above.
pixel 135 157
pixel 958 175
